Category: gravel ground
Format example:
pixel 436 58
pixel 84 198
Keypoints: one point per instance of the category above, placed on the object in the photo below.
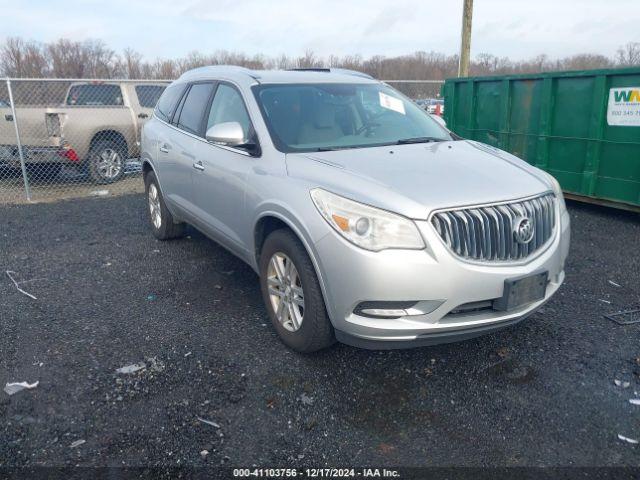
pixel 110 295
pixel 69 184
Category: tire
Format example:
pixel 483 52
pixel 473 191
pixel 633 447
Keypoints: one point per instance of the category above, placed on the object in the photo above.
pixel 107 161
pixel 314 331
pixel 163 225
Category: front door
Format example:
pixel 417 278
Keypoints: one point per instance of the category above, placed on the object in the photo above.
pixel 220 173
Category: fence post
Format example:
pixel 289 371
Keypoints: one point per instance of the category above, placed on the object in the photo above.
pixel 27 190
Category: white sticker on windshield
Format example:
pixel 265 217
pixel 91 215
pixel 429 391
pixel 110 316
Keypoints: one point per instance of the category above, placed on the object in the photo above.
pixel 392 103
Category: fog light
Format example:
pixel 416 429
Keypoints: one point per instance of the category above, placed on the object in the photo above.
pixel 396 309
pixel 382 313
pixel 384 309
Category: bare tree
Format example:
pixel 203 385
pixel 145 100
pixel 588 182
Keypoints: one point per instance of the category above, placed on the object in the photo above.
pixel 100 60
pixel 132 63
pixel 629 55
pixel 22 59
pixel 93 59
pixel 309 60
pixel 165 69
pixel 67 59
pixel 586 61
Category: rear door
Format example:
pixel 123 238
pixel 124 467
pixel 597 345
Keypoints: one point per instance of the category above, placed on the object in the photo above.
pixel 178 145
pixel 166 165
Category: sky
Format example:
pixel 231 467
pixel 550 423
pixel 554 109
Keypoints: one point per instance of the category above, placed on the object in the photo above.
pixel 518 29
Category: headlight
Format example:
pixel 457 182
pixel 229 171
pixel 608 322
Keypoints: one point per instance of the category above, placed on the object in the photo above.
pixel 557 190
pixel 365 226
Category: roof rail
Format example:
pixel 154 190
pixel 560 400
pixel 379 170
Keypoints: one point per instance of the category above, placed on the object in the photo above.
pixel 309 69
pixel 355 73
pixel 343 71
pixel 219 69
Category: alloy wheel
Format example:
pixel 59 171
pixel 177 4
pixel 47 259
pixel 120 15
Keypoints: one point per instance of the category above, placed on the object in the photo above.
pixel 285 291
pixel 154 206
pixel 109 164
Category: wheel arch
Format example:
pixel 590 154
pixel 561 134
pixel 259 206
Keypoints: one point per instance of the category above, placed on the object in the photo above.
pixel 110 135
pixel 271 221
pixel 147 166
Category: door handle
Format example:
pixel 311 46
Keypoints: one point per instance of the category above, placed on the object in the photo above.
pixel 198 165
pixel 143 115
pixel 164 148
pixel 8 118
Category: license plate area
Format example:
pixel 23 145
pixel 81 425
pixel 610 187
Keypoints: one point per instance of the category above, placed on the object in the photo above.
pixel 522 291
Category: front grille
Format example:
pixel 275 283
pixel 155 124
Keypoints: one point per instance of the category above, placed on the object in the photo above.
pixel 486 233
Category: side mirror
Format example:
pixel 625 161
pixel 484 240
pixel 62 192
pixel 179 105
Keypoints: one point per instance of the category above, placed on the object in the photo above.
pixel 227 133
pixel 440 120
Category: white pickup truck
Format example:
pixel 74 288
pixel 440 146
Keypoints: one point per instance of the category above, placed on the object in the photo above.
pixel 96 129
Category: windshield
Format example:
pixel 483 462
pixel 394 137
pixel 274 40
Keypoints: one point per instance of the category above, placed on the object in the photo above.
pixel 317 117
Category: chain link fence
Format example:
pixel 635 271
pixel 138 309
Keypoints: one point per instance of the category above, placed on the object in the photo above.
pixel 71 138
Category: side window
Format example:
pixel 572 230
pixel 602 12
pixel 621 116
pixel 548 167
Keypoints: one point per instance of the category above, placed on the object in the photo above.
pixel 168 101
pixel 194 106
pixel 148 95
pixel 95 95
pixel 228 106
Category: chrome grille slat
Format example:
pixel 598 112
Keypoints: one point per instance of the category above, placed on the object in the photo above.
pixel 485 233
pixel 550 215
pixel 540 223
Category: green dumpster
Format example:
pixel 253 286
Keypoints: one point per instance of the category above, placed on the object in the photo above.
pixel 583 127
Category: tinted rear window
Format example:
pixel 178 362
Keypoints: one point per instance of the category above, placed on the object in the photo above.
pixel 168 101
pixel 194 106
pixel 95 95
pixel 148 95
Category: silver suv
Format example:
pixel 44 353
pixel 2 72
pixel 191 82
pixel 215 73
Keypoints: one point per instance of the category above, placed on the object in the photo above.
pixel 365 218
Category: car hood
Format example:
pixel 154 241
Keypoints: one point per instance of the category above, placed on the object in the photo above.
pixel 415 179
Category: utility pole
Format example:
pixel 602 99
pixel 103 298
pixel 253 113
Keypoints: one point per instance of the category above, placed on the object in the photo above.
pixel 465 44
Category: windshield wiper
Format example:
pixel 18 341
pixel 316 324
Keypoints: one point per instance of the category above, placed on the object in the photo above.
pixel 331 149
pixel 405 141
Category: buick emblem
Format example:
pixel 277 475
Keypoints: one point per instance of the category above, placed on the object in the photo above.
pixel 523 230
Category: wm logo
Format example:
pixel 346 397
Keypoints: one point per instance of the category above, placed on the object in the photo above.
pixel 627 95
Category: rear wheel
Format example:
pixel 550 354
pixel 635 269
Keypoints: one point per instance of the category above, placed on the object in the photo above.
pixel 162 223
pixel 107 161
pixel 292 294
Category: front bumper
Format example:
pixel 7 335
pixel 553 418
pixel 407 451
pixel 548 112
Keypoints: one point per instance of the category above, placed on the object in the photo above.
pixel 351 275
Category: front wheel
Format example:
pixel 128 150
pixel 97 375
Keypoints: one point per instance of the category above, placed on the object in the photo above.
pixel 292 294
